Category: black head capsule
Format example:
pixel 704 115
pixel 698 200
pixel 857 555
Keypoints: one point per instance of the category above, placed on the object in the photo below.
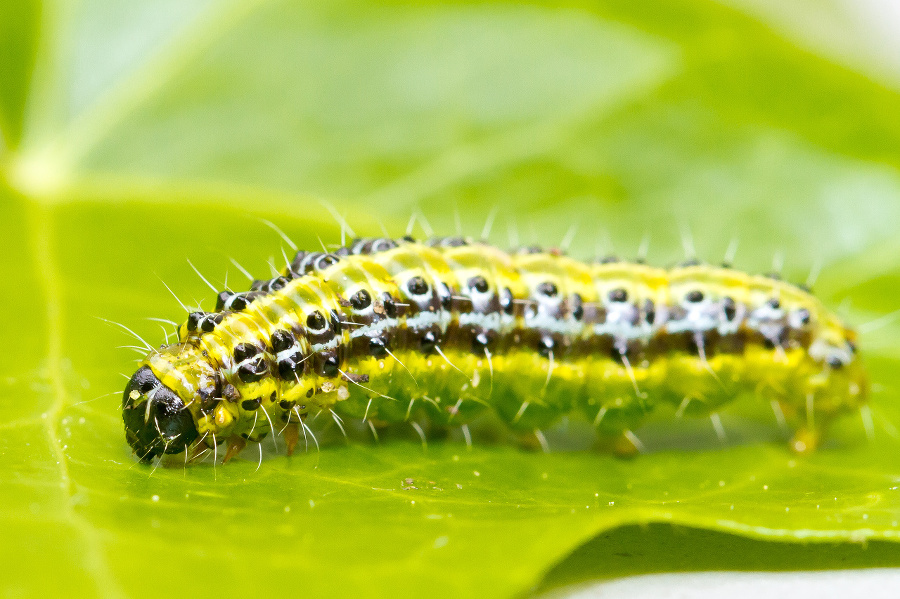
pixel 156 420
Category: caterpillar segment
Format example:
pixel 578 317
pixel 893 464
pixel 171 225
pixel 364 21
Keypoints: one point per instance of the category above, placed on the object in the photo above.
pixel 396 330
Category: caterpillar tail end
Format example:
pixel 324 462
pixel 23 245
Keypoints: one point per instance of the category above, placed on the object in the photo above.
pixel 156 421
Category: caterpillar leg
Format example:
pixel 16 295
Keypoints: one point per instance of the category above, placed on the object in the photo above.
pixel 291 436
pixel 815 420
pixel 622 445
pixel 533 441
pixel 805 440
pixel 235 445
pixel 200 448
pixel 613 421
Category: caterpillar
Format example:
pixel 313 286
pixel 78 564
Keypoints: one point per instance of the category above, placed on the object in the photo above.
pixel 388 330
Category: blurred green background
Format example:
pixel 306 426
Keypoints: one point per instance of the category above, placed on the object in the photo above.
pixel 135 136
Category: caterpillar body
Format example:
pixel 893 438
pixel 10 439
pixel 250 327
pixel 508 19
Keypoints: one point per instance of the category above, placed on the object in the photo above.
pixel 391 330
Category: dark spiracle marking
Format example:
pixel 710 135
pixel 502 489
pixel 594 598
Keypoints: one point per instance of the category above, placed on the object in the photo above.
pixel 251 404
pixel 619 352
pixel 417 286
pixel 529 249
pixel 608 260
pixel 447 242
pixel 802 316
pixel 335 323
pixel 729 308
pixel 282 340
pixel 446 296
pixel 548 289
pixel 270 285
pixel 694 297
pixel 361 300
pixel 429 342
pixel 506 301
pixel 252 363
pixel 305 263
pixel 649 311
pixel 330 366
pixel 240 301
pixel 774 303
pixel 377 347
pixel 292 367
pixel 577 306
pixel 775 338
pixel 479 284
pixel 546 345
pixel 253 371
pixel 204 321
pixel 390 306
pixel 299 263
pixel 382 245
pixel 618 295
pixel 326 260
pixel 222 299
pixel 242 351
pixel 484 340
pixel 316 321
pixel 276 284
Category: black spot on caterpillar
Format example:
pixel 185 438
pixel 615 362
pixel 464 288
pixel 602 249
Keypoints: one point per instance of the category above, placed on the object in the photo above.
pixel 388 330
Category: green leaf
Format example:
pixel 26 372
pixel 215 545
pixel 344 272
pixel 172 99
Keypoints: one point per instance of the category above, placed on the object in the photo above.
pixel 139 137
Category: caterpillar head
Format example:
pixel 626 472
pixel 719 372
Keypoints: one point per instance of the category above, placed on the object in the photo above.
pixel 163 398
pixel 156 420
